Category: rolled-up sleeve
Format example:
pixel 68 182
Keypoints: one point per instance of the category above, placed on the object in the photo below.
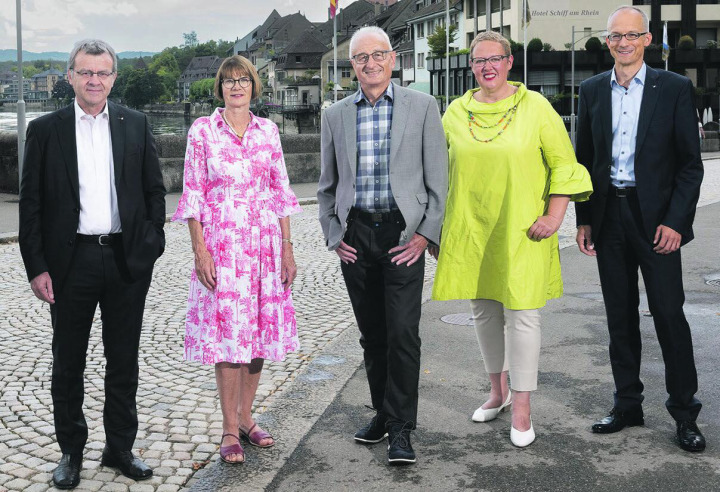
pixel 192 204
pixel 284 200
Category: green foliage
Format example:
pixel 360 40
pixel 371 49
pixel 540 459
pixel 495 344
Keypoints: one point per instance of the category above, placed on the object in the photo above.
pixel 464 51
pixel 30 70
pixel 711 44
pixel 190 39
pixel 653 47
pixel 515 46
pixel 63 91
pixel 202 90
pixel 686 42
pixel 436 41
pixel 166 67
pixel 593 45
pixel 142 87
pixel 535 45
pixel 548 47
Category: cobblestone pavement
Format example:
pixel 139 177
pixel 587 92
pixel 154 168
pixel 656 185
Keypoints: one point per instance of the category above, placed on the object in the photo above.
pixel 178 409
pixel 180 419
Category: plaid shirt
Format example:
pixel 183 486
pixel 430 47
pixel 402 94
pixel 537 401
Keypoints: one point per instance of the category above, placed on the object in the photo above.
pixel 372 191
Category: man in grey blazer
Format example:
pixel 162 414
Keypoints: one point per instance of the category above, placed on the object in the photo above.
pixel 381 194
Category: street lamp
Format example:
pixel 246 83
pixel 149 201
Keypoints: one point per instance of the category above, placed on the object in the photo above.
pixel 20 101
pixel 572 78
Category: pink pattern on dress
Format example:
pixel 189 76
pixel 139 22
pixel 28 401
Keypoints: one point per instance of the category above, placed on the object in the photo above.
pixel 238 189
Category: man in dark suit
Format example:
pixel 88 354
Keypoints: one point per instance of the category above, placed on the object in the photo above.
pixel 92 210
pixel 637 135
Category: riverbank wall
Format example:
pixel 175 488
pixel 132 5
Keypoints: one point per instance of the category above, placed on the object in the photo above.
pixel 302 159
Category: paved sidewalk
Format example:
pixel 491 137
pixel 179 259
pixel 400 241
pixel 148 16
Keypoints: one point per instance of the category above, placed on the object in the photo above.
pixel 180 416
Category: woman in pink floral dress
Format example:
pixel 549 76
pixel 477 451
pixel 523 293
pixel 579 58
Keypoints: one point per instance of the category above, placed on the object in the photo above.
pixel 236 201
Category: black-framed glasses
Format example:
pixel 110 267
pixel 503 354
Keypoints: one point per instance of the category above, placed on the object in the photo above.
pixel 493 60
pixel 88 74
pixel 243 82
pixel 363 58
pixel 614 37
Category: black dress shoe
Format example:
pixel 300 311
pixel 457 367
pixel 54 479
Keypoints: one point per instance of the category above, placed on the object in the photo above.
pixel 374 432
pixel 127 463
pixel 690 437
pixel 400 451
pixel 618 420
pixel 67 473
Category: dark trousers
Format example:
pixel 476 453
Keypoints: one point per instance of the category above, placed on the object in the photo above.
pixel 97 275
pixel 621 249
pixel 386 299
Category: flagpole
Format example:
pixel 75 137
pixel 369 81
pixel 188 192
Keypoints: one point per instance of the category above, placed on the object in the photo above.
pixel 20 101
pixel 665 41
pixel 335 82
pixel 447 53
pixel 525 59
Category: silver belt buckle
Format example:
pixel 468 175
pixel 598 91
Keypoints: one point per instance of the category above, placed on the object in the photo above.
pixel 104 236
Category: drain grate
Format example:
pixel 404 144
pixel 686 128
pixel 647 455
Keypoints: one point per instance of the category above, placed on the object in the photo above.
pixel 460 319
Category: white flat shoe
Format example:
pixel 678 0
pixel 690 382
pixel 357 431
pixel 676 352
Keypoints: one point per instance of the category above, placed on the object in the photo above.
pixel 488 414
pixel 524 438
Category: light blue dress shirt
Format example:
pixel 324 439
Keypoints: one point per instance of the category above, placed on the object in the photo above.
pixel 625 116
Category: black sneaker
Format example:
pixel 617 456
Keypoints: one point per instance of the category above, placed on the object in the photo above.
pixel 400 451
pixel 374 432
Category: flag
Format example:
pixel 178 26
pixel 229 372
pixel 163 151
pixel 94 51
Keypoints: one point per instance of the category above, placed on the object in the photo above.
pixel 333 8
pixel 666 46
pixel 526 17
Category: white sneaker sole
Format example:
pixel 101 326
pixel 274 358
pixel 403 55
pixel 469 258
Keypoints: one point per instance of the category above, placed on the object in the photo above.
pixel 368 441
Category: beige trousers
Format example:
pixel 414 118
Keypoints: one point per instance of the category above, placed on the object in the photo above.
pixel 509 340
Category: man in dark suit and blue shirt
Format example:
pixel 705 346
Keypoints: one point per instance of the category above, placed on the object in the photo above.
pixel 92 210
pixel 637 135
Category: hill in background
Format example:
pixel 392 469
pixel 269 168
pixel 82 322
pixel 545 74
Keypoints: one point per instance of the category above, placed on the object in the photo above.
pixel 11 55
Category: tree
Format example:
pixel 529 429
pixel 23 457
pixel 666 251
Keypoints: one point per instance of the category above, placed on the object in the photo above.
pixel 593 45
pixel 166 67
pixel 63 91
pixel 190 39
pixel 202 90
pixel 142 87
pixel 30 70
pixel 535 44
pixel 436 41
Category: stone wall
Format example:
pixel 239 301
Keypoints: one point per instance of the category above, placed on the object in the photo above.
pixel 302 159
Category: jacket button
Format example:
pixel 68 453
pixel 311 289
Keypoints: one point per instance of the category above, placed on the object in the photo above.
pixel 76 210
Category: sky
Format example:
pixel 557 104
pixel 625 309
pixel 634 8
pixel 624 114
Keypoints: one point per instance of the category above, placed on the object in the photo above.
pixel 140 25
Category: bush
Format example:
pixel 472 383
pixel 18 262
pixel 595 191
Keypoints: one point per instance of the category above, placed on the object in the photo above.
pixel 711 44
pixel 653 47
pixel 593 45
pixel 547 47
pixel 535 45
pixel 686 43
pixel 515 46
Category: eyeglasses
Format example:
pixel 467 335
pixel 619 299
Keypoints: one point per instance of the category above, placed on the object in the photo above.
pixel 243 82
pixel 363 58
pixel 630 36
pixel 493 60
pixel 88 74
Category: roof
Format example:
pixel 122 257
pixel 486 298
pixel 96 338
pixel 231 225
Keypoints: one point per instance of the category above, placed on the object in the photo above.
pixel 435 8
pixel 349 19
pixel 202 67
pixel 52 71
pixel 405 46
pixel 282 31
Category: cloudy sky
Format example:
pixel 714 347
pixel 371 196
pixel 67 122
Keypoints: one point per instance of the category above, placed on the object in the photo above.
pixel 140 25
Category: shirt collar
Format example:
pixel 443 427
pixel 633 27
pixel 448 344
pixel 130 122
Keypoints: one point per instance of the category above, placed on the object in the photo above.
pixel 639 77
pixel 217 118
pixel 389 93
pixel 79 113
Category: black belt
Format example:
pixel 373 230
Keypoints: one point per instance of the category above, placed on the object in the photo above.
pixel 622 192
pixel 101 239
pixel 375 217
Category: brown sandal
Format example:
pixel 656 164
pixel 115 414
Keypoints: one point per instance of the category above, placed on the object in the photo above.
pixel 256 437
pixel 236 448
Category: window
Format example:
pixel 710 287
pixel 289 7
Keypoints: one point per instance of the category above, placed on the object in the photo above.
pixel 407 62
pixel 420 30
pixel 298 58
pixel 430 27
pixel 345 73
pixel 421 60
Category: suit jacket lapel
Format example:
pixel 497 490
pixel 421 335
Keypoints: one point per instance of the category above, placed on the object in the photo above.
pixel 117 135
pixel 68 144
pixel 350 127
pixel 401 111
pixel 606 112
pixel 651 91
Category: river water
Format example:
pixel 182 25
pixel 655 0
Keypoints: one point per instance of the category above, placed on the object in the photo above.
pixel 161 125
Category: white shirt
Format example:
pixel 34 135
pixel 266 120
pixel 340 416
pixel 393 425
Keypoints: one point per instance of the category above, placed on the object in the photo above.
pixel 625 117
pixel 96 174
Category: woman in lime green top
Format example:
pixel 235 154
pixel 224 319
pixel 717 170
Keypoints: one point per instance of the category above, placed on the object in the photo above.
pixel 512 173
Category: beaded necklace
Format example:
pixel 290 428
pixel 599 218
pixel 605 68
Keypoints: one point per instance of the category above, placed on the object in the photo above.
pixel 238 135
pixel 509 114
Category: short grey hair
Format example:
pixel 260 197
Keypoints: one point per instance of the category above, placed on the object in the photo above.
pixel 92 47
pixel 363 31
pixel 646 21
